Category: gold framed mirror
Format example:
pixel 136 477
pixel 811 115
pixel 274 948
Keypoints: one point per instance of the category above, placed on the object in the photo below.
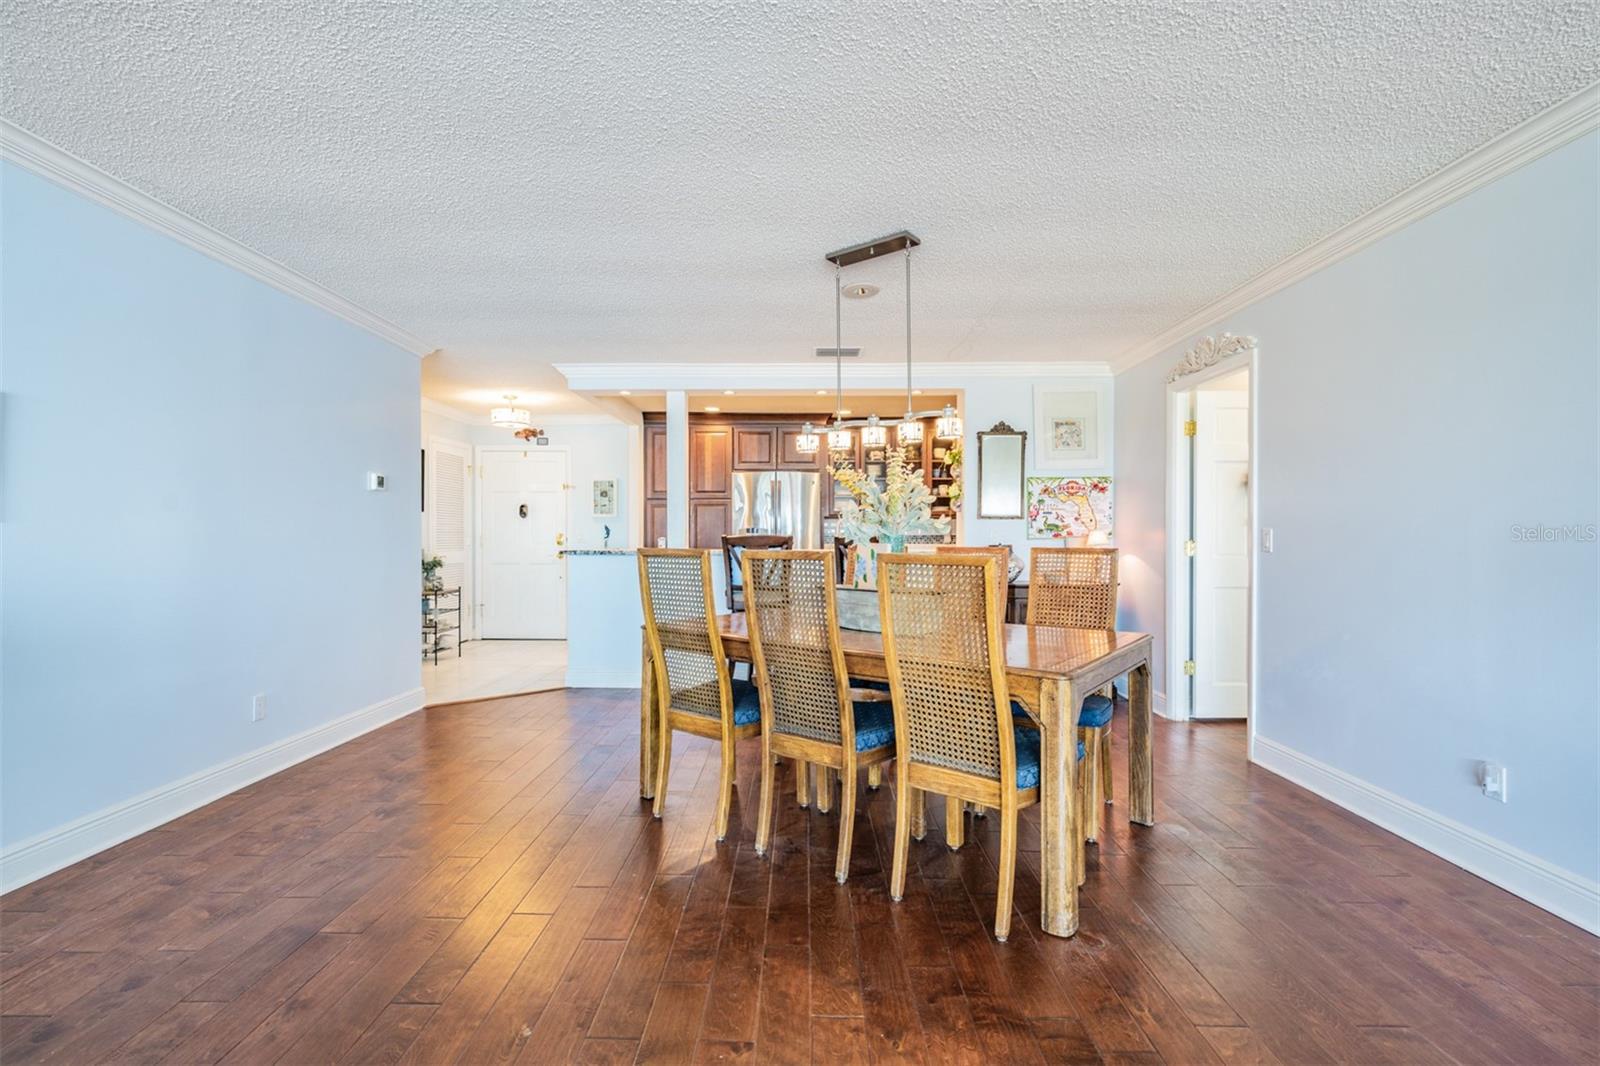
pixel 1001 457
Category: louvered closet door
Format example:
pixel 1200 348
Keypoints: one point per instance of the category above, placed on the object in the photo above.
pixel 449 483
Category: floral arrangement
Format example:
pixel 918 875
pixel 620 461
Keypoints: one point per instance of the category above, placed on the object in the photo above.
pixel 901 507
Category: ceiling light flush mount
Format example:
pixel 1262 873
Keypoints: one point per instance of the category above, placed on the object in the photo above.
pixel 510 416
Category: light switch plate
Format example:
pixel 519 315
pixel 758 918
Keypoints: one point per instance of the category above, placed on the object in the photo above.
pixel 1266 539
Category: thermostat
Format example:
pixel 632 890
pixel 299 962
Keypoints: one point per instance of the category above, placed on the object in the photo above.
pixel 376 482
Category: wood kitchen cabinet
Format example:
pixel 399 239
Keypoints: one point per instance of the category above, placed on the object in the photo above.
pixel 755 447
pixel 710 461
pixel 655 462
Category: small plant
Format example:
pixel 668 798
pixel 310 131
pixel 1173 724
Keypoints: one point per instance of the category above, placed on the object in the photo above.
pixel 430 572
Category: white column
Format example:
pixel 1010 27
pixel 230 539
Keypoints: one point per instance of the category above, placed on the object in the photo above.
pixel 677 469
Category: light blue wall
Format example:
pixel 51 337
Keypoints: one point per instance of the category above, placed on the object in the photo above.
pixel 185 518
pixel 1416 401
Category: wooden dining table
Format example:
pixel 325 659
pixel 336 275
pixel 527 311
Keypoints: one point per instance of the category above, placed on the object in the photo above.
pixel 1049 670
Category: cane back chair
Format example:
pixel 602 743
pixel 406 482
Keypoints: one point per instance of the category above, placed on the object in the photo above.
pixel 695 691
pixel 808 711
pixel 1076 588
pixel 954 731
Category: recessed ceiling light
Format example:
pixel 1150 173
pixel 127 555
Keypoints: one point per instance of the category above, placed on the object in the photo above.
pixel 860 292
pixel 625 392
pixel 712 410
pixel 844 410
pixel 822 392
pixel 727 392
pixel 916 392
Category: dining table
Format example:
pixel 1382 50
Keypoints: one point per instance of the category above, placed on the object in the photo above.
pixel 1049 670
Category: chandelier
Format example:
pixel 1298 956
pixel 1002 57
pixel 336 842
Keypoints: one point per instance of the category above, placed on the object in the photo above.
pixel 873 433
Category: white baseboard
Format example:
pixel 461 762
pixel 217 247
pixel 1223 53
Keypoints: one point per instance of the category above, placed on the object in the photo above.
pixel 603 677
pixel 1561 892
pixel 31 859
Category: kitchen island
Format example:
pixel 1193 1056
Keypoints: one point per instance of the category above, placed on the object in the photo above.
pixel 604 616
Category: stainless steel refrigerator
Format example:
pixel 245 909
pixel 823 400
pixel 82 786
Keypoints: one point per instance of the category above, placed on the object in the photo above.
pixel 778 501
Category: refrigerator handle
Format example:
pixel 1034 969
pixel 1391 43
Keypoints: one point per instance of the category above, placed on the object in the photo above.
pixel 777 504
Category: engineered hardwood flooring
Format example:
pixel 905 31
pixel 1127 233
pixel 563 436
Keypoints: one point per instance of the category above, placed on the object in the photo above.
pixel 480 883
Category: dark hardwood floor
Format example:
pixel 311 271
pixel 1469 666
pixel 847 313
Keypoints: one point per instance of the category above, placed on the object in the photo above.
pixel 481 883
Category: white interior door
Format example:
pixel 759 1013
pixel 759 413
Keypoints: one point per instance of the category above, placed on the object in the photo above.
pixel 448 505
pixel 1222 552
pixel 523 510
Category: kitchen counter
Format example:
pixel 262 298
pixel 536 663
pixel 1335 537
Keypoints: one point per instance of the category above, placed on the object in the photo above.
pixel 604 615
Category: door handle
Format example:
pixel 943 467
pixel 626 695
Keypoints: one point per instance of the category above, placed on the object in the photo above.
pixel 561 538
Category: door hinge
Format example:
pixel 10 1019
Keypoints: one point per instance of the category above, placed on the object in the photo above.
pixel 1189 548
pixel 1188 667
pixel 1189 428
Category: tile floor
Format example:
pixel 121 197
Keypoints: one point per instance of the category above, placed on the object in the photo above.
pixel 495 668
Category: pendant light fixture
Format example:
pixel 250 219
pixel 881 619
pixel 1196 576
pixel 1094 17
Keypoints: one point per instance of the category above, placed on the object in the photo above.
pixel 839 439
pixel 908 430
pixel 510 416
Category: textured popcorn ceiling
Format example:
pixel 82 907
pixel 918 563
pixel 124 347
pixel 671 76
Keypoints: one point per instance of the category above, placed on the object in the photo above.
pixel 534 182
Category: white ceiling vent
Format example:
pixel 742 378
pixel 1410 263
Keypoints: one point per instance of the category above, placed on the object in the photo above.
pixel 844 353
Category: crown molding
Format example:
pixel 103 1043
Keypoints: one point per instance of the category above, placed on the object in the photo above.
pixel 1543 133
pixel 712 377
pixel 41 157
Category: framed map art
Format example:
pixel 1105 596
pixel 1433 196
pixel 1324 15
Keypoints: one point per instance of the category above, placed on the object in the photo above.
pixel 1068 508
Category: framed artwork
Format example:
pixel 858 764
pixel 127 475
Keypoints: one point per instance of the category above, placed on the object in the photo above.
pixel 605 499
pixel 1060 508
pixel 1072 426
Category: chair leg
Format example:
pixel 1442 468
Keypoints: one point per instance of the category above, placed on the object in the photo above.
pixel 1105 763
pixel 824 789
pixel 1091 784
pixel 902 837
pixel 955 828
pixel 875 776
pixel 919 815
pixel 768 786
pixel 847 819
pixel 802 783
pixel 663 765
pixel 1008 872
pixel 725 788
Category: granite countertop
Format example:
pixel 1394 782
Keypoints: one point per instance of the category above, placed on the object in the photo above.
pixel 598 551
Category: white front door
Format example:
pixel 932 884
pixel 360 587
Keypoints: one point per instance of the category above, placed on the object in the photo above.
pixel 523 509
pixel 1222 551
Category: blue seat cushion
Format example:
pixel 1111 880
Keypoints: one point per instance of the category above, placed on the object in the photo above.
pixel 1028 756
pixel 876 686
pixel 874 724
pixel 746 703
pixel 1095 712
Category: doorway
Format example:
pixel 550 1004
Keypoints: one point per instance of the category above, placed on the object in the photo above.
pixel 522 524
pixel 1211 523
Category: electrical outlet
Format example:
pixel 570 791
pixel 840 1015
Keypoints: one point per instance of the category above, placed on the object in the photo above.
pixel 1493 777
pixel 258 707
